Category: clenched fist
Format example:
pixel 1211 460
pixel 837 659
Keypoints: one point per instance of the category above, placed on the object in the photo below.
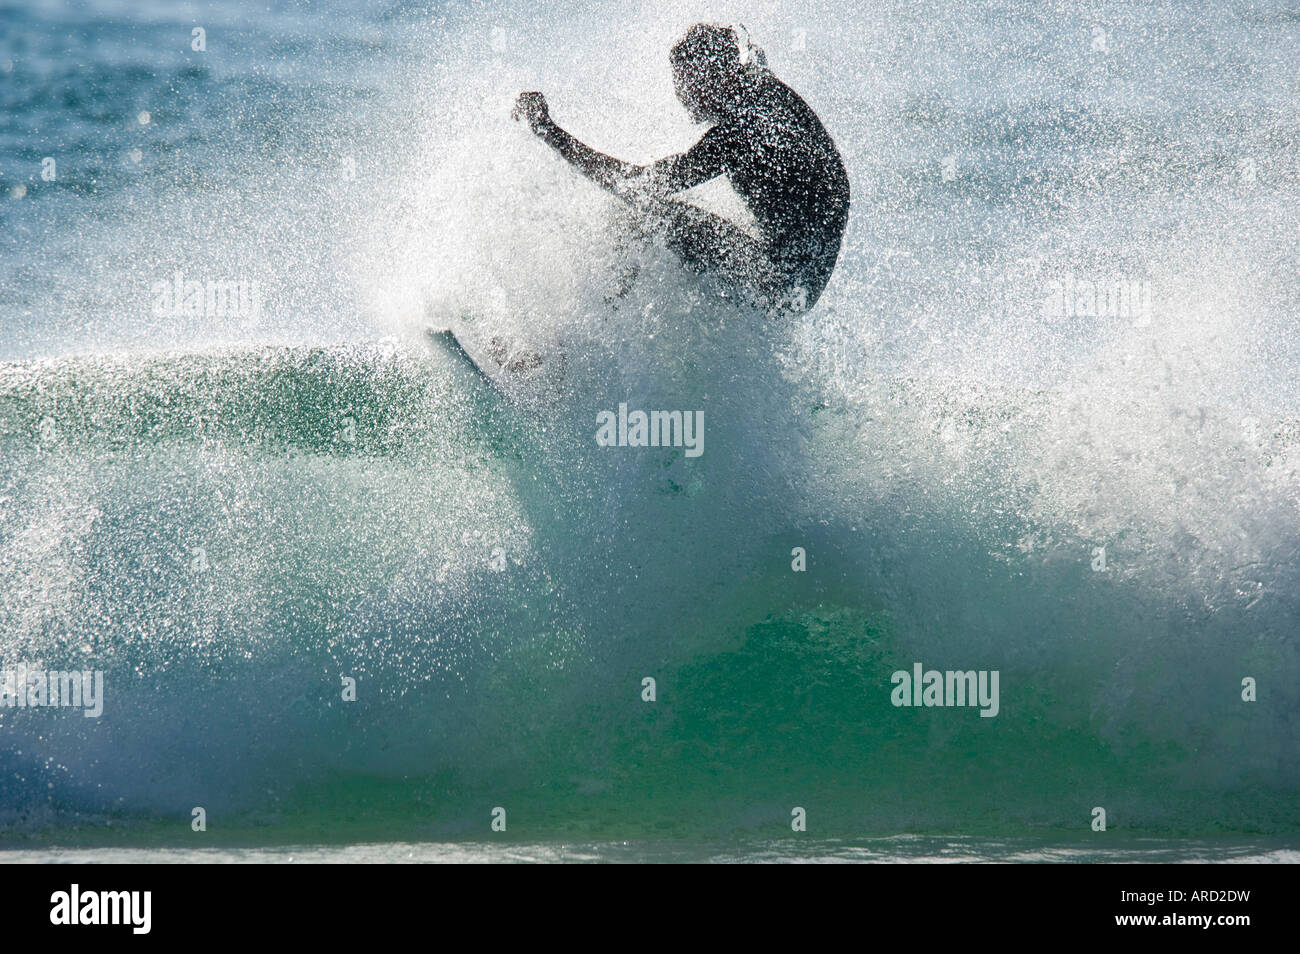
pixel 532 108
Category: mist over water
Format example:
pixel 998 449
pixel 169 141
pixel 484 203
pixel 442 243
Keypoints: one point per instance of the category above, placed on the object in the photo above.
pixel 228 514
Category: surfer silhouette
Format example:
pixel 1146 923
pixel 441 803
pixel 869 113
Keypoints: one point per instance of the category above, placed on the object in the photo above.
pixel 770 145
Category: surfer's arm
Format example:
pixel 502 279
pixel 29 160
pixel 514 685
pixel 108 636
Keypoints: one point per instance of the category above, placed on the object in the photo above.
pixel 605 171
pixel 703 161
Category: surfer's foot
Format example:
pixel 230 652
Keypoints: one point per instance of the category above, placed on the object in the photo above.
pixel 525 361
pixel 623 283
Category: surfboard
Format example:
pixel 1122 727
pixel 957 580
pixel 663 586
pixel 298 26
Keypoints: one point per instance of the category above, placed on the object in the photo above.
pixel 446 340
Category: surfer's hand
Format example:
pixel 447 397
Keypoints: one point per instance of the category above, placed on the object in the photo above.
pixel 532 107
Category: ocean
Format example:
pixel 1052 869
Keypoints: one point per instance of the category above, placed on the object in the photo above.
pixel 349 603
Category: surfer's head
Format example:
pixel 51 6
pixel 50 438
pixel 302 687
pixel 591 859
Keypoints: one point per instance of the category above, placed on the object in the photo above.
pixel 710 70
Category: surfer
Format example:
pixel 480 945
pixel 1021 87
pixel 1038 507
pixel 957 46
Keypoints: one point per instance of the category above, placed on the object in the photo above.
pixel 770 145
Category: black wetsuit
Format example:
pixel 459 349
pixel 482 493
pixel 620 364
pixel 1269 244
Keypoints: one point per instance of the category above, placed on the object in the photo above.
pixel 782 162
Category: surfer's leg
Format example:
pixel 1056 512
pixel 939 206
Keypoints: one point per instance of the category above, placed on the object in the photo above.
pixel 631 238
pixel 805 262
pixel 707 243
